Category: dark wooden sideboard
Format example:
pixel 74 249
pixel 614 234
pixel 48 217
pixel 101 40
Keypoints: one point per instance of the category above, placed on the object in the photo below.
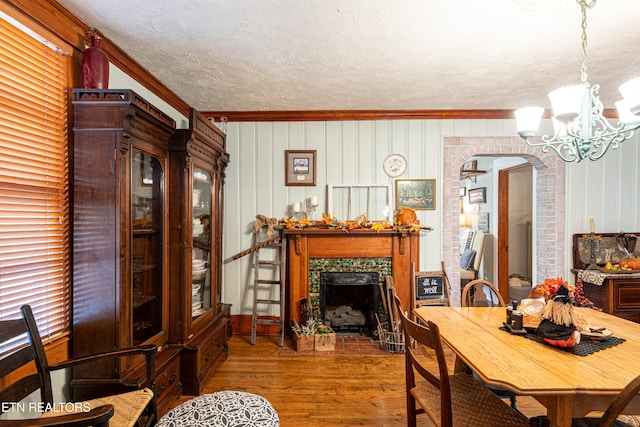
pixel 619 293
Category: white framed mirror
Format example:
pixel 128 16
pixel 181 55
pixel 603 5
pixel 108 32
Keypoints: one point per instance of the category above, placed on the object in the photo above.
pixel 349 201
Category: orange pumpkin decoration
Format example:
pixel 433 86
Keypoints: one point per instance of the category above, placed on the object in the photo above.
pixel 631 263
pixel 406 216
pixel 536 292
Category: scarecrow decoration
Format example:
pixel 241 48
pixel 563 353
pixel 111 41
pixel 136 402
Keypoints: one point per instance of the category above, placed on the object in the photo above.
pixel 559 321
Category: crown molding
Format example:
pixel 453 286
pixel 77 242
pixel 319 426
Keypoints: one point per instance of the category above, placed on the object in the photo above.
pixel 341 115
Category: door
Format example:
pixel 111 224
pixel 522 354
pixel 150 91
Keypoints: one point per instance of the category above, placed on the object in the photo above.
pixel 515 213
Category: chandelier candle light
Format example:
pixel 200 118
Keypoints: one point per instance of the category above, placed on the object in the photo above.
pixel 581 130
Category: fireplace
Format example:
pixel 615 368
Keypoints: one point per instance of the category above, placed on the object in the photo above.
pixel 349 301
pixel 313 251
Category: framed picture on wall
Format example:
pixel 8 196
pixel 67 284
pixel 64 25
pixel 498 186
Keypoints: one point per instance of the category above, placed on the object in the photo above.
pixel 394 165
pixel 478 195
pixel 483 221
pixel 416 194
pixel 300 167
pixel 463 191
pixel 470 166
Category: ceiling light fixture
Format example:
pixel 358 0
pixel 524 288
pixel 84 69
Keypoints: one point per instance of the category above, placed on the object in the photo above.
pixel 582 132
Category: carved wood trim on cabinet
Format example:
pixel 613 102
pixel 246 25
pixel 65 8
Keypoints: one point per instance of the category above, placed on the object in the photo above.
pixel 116 131
pixel 197 161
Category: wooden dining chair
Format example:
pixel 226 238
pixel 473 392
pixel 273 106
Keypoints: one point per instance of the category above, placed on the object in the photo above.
pixel 448 399
pixel 25 370
pixel 481 293
pixel 612 417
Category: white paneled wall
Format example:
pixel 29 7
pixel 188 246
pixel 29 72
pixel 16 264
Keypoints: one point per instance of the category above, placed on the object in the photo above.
pixel 348 152
pixel 351 152
pixel 607 189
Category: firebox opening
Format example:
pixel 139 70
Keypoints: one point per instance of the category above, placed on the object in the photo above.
pixel 349 301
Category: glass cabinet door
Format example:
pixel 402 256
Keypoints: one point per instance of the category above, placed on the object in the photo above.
pixel 201 233
pixel 147 216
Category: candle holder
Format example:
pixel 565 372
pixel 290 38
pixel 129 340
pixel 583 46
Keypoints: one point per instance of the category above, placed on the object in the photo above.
pixel 310 208
pixel 297 213
pixel 593 240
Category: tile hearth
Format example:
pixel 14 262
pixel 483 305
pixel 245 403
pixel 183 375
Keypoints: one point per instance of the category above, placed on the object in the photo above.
pixel 345 346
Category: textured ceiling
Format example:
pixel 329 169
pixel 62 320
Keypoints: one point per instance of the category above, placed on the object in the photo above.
pixel 277 55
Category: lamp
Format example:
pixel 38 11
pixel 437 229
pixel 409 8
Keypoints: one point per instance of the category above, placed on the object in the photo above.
pixel 582 132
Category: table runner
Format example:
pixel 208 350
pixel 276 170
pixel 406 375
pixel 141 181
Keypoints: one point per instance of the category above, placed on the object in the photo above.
pixel 598 277
pixel 584 348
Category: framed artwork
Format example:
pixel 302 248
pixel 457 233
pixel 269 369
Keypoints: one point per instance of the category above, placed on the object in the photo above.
pixel 483 221
pixel 470 166
pixel 394 165
pixel 463 191
pixel 300 167
pixel 478 195
pixel 416 194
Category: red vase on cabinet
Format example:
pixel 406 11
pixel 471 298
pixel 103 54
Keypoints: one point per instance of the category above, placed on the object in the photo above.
pixel 95 66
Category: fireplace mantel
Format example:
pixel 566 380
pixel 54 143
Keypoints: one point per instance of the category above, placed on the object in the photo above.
pixel 302 245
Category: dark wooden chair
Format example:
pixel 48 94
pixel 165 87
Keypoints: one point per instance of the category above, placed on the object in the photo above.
pixel 448 399
pixel 25 370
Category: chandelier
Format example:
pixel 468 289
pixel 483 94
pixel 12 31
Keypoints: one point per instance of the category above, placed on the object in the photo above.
pixel 581 131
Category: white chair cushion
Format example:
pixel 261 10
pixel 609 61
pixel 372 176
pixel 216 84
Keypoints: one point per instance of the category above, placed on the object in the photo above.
pixel 467 275
pixel 224 408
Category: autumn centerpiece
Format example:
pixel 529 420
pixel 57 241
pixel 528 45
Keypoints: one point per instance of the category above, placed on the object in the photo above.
pixel 551 285
pixel 559 323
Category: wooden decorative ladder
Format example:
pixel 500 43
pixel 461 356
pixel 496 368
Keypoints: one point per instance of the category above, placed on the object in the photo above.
pixel 261 285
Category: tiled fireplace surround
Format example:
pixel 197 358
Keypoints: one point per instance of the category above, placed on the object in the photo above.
pixel 318 265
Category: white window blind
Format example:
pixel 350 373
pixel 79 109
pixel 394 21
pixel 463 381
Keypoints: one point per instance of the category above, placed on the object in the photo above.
pixel 34 180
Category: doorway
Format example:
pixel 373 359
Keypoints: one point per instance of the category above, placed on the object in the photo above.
pixel 549 255
pixel 515 225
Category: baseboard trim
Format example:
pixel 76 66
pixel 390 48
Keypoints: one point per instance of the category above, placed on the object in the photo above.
pixel 241 324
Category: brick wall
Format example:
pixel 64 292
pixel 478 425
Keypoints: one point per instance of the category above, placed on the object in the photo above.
pixel 549 223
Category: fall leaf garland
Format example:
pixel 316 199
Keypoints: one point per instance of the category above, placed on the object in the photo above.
pixel 361 223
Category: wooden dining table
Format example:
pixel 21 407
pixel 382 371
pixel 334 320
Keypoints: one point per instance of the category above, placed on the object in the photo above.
pixel 567 384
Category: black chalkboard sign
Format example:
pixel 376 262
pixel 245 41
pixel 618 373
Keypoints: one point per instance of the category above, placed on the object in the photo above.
pixel 430 286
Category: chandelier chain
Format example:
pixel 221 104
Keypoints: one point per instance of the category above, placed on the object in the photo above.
pixel 583 7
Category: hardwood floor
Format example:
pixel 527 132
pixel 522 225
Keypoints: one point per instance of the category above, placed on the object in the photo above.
pixel 321 391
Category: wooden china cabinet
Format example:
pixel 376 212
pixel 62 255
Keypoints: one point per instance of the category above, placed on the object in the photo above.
pixel 199 320
pixel 120 241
